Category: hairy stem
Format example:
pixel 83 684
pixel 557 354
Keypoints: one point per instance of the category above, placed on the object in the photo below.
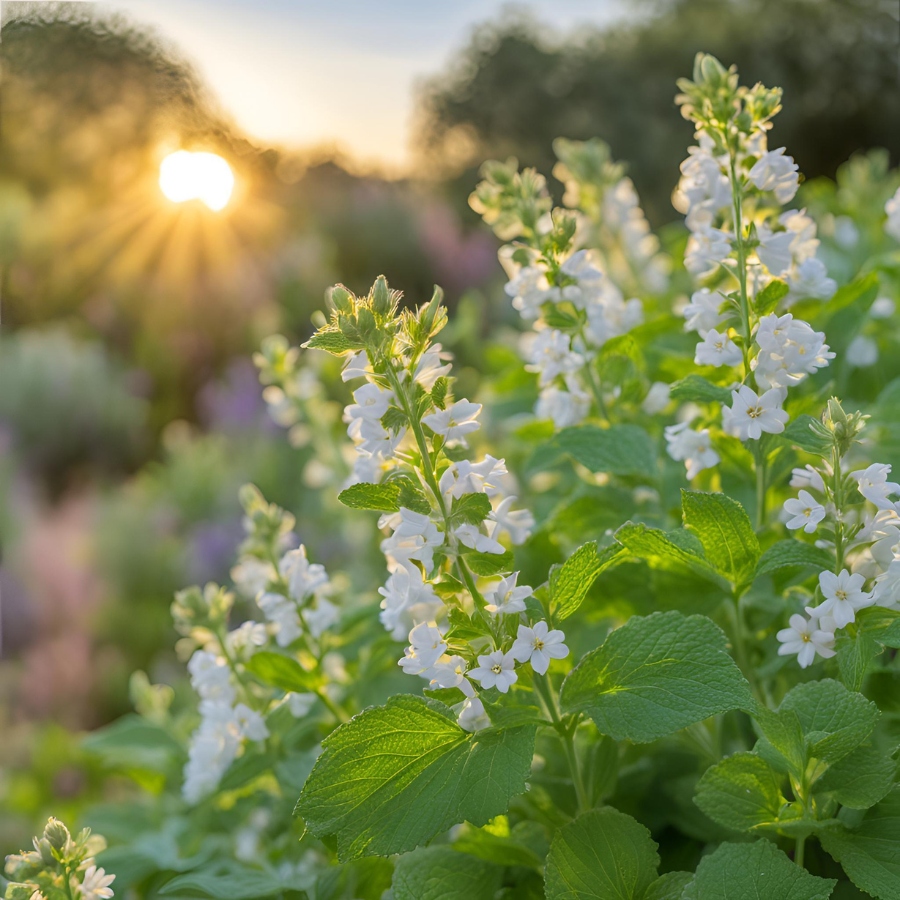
pixel 742 261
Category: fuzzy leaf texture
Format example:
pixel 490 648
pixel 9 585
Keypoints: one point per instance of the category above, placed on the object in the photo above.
pixel 656 675
pixel 570 582
pixel 379 497
pixel 397 775
pixel 697 389
pixel 619 450
pixel 441 873
pixel 742 792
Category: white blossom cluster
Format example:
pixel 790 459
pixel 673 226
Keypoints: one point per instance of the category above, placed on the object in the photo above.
pixel 878 538
pixel 560 357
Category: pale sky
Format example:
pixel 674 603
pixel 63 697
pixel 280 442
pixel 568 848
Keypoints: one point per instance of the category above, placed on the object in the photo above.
pixel 342 72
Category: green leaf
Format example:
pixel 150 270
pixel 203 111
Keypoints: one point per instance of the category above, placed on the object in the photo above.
pixel 725 531
pixel 411 496
pixel 232 883
pixel 132 742
pixel 570 582
pixel 394 419
pixel 754 871
pixel 439 392
pixel 281 671
pixel 793 553
pixel 515 849
pixel 661 550
pixel 860 643
pixel 656 675
pixel 770 296
pixel 333 341
pixel 669 886
pixel 486 564
pixel 870 853
pixel 381 497
pixel 782 745
pixel 741 792
pixel 809 434
pixel 696 389
pixel 860 779
pixel 470 509
pixel 396 775
pixel 603 854
pixel 834 720
pixel 619 450
pixel 440 873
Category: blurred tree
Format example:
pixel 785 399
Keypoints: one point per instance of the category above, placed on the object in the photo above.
pixel 513 89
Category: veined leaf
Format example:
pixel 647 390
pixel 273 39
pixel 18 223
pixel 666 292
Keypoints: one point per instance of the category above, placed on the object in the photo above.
pixel 441 873
pixel 669 886
pixel 656 675
pixel 381 497
pixel 696 389
pixel 770 296
pixel 331 340
pixel 570 582
pixel 470 509
pixel 619 450
pixel 281 671
pixel 396 775
pixel 487 564
pixel 741 792
pixel 793 553
pixel 860 779
pixel 809 434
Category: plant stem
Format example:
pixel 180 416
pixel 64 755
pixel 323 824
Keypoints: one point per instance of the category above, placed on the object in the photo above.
pixel 799 847
pixel 596 391
pixel 760 484
pixel 740 648
pixel 332 707
pixel 742 261
pixel 838 504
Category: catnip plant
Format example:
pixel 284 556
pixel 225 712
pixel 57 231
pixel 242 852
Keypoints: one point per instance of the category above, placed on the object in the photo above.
pixel 638 642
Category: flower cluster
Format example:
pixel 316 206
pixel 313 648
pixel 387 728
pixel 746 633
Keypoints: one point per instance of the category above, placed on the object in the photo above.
pixel 60 866
pixel 571 271
pixel 753 256
pixel 441 510
pixel 290 593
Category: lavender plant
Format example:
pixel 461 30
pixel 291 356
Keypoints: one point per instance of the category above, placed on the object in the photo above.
pixel 612 686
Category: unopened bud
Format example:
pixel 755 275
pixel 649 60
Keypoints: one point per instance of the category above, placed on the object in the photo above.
pixel 56 833
pixel 341 298
pixel 381 296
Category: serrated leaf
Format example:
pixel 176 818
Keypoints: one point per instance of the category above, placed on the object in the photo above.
pixel 470 509
pixel 380 497
pixel 696 389
pixel 742 792
pixel 782 745
pixel 656 675
pixel 669 886
pixel 809 434
pixel 281 671
pixel 870 853
pixel 752 871
pixel 570 582
pixel 603 854
pixel 618 450
pixel 225 883
pixel 396 775
pixel 770 296
pixel 863 641
pixel 660 549
pixel 439 392
pixel 793 553
pixel 411 496
pixel 394 419
pixel 334 342
pixel 724 529
pixel 860 779
pixel 441 873
pixel 834 720
pixel 487 564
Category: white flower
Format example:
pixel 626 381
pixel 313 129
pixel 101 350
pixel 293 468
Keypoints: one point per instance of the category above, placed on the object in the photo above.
pixel 282 613
pixel 250 723
pixel 303 578
pixel 717 350
pixel 887 586
pixel 321 617
pixel 702 313
pixel 691 447
pixel 810 279
pixel 357 366
pixel 96 884
pixel 211 676
pixel 610 316
pixel 473 537
pixel 789 351
pixel 252 575
pixel 497 670
pixel 426 647
pixel 862 352
pixel 882 308
pixel 774 171
pixel 213 748
pixel 408 601
pixel 300 704
pixel 564 407
pixel 505 598
pixel 874 486
pixel 473 716
pixel 883 530
pixel 539 645
pixel 451 673
pixel 551 355
pixel 529 289
pixel 517 523
pixel 706 249
pixel 806 640
pixel 806 512
pixel 465 477
pixel 704 189
pixel 843 596
pixel 752 414
pixel 774 250
pixel 371 403
pixel 455 422
pixel 892 208
pixel 807 477
pixel 415 537
pixel 245 638
pixel 657 398
pixel 430 367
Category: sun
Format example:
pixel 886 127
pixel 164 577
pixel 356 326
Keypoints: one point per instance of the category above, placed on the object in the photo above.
pixel 184 176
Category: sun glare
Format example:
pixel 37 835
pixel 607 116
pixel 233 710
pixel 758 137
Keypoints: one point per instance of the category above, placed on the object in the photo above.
pixel 184 175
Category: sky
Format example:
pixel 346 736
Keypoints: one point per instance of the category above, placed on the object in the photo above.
pixel 339 73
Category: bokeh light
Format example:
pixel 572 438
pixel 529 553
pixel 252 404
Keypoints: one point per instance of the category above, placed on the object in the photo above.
pixel 184 176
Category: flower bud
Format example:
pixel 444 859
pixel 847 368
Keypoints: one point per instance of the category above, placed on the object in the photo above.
pixel 341 298
pixel 45 851
pixel 19 891
pixel 381 296
pixel 56 834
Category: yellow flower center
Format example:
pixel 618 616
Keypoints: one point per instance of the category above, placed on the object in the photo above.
pixel 496 668
pixel 841 595
pixel 755 412
pixel 538 644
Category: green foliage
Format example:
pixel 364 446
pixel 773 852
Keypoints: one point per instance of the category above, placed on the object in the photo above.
pixel 619 449
pixel 656 675
pixel 742 793
pixel 571 581
pixel 696 389
pixel 399 774
pixel 441 873
pixel 281 671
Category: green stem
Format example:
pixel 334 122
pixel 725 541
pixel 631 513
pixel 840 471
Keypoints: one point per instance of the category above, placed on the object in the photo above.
pixel 596 391
pixel 760 484
pixel 742 262
pixel 332 707
pixel 740 648
pixel 838 504
pixel 799 847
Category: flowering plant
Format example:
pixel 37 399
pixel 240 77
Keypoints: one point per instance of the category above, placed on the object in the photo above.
pixel 612 686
